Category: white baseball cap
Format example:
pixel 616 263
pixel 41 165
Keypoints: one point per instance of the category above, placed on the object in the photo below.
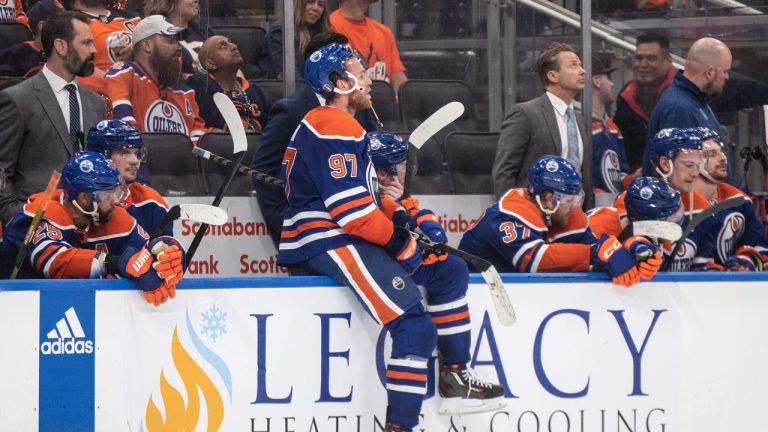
pixel 152 25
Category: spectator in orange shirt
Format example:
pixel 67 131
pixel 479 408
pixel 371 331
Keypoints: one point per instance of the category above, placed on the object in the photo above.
pixel 373 40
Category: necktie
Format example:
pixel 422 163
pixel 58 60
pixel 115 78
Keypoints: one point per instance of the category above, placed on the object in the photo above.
pixel 74 117
pixel 573 138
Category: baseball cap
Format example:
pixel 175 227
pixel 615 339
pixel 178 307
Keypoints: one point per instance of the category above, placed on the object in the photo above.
pixel 152 25
pixel 43 10
pixel 599 66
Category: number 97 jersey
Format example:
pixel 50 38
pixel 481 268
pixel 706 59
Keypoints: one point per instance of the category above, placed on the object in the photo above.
pixel 331 188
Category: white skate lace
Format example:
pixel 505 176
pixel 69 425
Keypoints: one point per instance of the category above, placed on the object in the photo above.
pixel 473 379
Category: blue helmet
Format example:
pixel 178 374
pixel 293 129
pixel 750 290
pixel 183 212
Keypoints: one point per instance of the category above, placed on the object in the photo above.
pixel 553 173
pixel 669 141
pixel 322 63
pixel 651 198
pixel 89 172
pixel 108 135
pixel 387 150
pixel 705 133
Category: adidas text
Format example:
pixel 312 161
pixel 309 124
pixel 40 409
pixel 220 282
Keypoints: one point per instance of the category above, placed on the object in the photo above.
pixel 66 346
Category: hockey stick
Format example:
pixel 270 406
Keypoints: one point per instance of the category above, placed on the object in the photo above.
pixel 695 221
pixel 441 118
pixel 654 229
pixel 257 175
pixel 235 125
pixel 49 190
pixel 202 213
pixel 504 309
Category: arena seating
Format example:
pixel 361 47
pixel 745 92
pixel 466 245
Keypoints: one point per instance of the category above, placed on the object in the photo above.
pixel 214 174
pixel 274 87
pixel 469 158
pixel 13 33
pixel 385 105
pixel 420 98
pixel 172 168
pixel 430 176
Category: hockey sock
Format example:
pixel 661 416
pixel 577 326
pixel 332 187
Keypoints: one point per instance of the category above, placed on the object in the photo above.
pixel 406 387
pixel 453 325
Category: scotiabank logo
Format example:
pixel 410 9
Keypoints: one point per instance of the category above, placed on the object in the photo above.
pixel 67 337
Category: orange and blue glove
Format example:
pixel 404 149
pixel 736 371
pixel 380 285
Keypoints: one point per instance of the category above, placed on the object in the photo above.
pixel 609 253
pixel 647 255
pixel 170 260
pixel 136 265
pixel 404 248
pixel 740 262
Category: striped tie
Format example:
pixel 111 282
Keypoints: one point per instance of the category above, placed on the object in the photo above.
pixel 74 117
pixel 573 138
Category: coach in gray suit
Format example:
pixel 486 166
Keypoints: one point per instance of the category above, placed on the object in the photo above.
pixel 546 125
pixel 43 119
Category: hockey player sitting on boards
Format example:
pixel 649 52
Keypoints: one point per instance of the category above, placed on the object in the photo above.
pixel 543 229
pixel 333 225
pixel 445 278
pixel 84 233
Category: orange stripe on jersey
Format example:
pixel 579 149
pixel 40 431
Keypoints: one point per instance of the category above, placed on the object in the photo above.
pixel 141 193
pixel 308 226
pixel 72 264
pixel 44 255
pixel 699 202
pixel 406 375
pixel 374 227
pixel 351 204
pixel 333 122
pixel 515 202
pixel 384 313
pixel 452 317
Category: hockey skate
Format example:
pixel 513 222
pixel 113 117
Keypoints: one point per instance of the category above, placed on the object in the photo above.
pixel 463 392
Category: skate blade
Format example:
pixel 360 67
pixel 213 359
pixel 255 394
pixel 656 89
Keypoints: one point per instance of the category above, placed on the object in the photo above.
pixel 456 405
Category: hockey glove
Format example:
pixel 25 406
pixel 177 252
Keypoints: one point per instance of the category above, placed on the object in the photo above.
pixel 609 253
pixel 427 222
pixel 136 265
pixel 161 294
pixel 757 257
pixel 647 255
pixel 404 248
pixel 739 263
pixel 170 259
pixel 411 204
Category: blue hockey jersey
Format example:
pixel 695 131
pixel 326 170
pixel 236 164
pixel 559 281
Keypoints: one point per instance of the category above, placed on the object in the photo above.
pixel 147 207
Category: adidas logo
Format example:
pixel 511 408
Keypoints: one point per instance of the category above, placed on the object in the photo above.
pixel 65 337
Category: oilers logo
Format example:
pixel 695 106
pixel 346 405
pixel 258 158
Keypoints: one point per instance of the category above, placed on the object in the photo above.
pixel 116 42
pixel 165 117
pixel 552 166
pixel 683 260
pixel 730 233
pixel 611 171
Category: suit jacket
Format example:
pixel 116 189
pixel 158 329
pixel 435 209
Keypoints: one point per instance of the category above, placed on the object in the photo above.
pixel 284 118
pixel 35 138
pixel 528 132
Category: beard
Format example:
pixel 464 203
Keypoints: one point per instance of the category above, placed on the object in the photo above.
pixel 77 66
pixel 168 69
pixel 359 101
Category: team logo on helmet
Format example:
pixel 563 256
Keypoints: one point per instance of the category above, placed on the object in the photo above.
pixel 102 124
pixel 86 166
pixel 646 193
pixel 398 283
pixel 552 166
pixel 376 144
pixel 316 56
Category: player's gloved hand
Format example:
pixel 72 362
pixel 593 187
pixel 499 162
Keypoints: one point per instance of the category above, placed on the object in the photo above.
pixel 710 266
pixel 170 258
pixel 161 294
pixel 405 249
pixel 411 204
pixel 433 253
pixel 427 222
pixel 647 255
pixel 609 253
pixel 136 265
pixel 739 263
pixel 758 258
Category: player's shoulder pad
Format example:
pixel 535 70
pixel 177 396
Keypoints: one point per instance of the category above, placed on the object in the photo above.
pixel 726 191
pixel 515 204
pixel 331 123
pixel 142 194
pixel 699 201
pixel 121 224
pixel 55 213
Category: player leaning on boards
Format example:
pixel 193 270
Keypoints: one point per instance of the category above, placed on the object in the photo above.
pixel 543 229
pixel 86 234
pixel 334 225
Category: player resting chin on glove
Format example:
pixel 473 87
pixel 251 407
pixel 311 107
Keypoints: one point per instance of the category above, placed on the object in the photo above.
pixel 84 232
pixel 543 229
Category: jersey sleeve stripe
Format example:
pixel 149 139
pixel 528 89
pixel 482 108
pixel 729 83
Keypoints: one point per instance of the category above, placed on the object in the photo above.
pixel 119 102
pixel 358 214
pixel 307 226
pixel 567 233
pixel 523 249
pixel 350 205
pixel 537 257
pixel 47 267
pixel 310 238
pixel 344 194
pixel 306 215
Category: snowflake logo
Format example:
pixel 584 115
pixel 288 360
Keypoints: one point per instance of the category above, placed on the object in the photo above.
pixel 214 322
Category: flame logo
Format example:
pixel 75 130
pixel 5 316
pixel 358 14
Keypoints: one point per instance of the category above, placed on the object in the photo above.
pixel 178 416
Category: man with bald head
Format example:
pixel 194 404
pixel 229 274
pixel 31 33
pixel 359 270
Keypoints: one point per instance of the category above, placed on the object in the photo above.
pixel 221 59
pixel 684 103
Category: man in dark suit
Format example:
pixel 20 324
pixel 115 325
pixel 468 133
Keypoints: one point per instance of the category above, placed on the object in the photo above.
pixel 285 116
pixel 546 125
pixel 44 117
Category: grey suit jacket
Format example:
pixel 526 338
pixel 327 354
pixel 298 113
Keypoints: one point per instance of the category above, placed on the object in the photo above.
pixel 528 132
pixel 34 138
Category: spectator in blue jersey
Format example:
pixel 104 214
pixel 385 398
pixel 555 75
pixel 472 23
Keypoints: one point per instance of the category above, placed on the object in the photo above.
pixel 285 116
pixel 609 162
pixel 84 233
pixel 121 142
pixel 684 103
pixel 26 58
pixel 221 58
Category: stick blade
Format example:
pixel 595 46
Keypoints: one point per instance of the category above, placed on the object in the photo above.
pixel 203 213
pixel 657 229
pixel 434 123
pixel 504 309
pixel 233 121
